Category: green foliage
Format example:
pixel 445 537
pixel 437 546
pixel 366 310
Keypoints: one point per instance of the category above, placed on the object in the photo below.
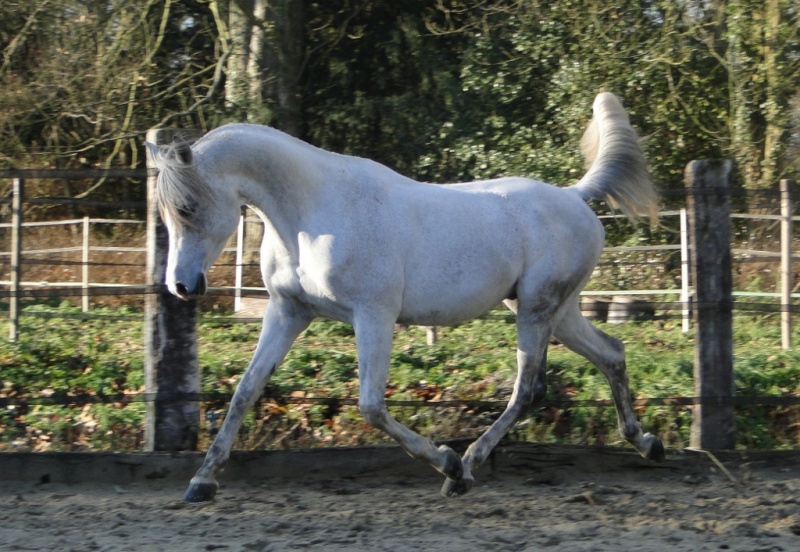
pixel 442 91
pixel 67 357
pixel 480 90
pixel 76 358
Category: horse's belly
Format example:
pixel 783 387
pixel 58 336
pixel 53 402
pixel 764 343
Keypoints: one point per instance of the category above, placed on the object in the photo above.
pixel 442 317
pixel 452 303
pixel 452 283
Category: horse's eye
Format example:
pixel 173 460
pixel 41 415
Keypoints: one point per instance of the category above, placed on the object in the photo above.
pixel 187 211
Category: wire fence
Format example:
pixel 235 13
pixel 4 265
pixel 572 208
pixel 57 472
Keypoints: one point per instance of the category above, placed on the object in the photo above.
pixel 651 270
pixel 82 399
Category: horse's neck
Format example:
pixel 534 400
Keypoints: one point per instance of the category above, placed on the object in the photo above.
pixel 284 181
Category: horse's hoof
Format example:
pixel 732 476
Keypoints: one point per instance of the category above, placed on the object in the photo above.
pixel 200 492
pixel 656 451
pixel 456 487
pixel 453 467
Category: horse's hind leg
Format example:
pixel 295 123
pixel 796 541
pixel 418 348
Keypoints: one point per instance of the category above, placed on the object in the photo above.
pixel 533 332
pixel 539 374
pixel 540 377
pixel 608 354
pixel 374 343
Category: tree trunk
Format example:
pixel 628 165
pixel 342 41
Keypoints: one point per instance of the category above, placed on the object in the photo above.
pixel 255 65
pixel 746 121
pixel 237 84
pixel 284 59
pixel 776 108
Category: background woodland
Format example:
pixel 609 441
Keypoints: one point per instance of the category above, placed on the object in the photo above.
pixel 444 90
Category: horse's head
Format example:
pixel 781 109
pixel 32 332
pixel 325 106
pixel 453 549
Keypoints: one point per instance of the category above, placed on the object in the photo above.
pixel 200 217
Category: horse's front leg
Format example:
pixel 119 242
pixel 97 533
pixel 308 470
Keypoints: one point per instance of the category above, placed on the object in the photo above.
pixel 283 322
pixel 530 385
pixel 374 342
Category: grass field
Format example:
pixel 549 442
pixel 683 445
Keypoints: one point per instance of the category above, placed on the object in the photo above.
pixel 309 401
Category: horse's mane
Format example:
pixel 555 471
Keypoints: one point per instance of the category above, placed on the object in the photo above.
pixel 180 187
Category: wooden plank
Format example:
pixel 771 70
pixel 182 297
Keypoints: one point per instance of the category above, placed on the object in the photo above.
pixel 686 278
pixel 75 174
pixel 74 221
pixel 787 276
pixel 390 461
pixel 707 184
pixel 85 265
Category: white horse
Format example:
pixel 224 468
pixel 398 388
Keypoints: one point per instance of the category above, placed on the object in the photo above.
pixel 349 239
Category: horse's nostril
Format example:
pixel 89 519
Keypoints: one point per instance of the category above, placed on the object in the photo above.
pixel 180 289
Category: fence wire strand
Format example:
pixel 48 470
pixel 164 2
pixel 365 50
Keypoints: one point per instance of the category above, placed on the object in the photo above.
pixel 84 399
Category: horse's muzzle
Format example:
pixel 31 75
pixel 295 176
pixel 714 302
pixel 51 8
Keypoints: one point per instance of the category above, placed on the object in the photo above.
pixel 185 292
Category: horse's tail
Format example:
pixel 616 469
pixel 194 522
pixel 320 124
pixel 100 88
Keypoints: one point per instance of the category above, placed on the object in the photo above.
pixel 617 167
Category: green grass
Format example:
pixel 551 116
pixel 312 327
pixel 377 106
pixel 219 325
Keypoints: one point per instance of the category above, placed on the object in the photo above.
pixel 59 357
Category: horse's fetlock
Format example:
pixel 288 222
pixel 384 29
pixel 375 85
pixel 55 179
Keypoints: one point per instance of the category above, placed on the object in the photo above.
pixel 451 465
pixel 631 432
pixel 653 448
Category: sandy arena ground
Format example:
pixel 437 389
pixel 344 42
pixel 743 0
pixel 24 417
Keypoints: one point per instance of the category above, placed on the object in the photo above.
pixel 535 498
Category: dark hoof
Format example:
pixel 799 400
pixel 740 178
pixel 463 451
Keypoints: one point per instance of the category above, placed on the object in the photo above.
pixel 200 492
pixel 453 468
pixel 453 488
pixel 656 452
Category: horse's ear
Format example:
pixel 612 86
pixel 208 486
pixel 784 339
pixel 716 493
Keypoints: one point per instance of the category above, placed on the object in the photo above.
pixel 183 152
pixel 153 151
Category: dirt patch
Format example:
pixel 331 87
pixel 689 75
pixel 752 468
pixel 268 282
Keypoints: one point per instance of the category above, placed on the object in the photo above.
pixel 534 498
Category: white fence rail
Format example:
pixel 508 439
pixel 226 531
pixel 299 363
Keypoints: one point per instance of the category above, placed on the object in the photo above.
pixel 85 248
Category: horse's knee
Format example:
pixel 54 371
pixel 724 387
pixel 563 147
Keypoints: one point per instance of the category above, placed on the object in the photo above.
pixel 374 414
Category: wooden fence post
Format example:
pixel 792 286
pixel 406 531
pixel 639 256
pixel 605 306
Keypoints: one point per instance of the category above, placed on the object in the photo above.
pixel 17 198
pixel 787 277
pixel 85 265
pixel 707 183
pixel 172 373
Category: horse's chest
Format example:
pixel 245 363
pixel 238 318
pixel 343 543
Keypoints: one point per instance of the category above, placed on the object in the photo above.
pixel 308 283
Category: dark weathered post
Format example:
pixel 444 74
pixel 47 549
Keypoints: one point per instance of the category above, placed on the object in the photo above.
pixel 707 184
pixel 172 374
pixel 17 197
